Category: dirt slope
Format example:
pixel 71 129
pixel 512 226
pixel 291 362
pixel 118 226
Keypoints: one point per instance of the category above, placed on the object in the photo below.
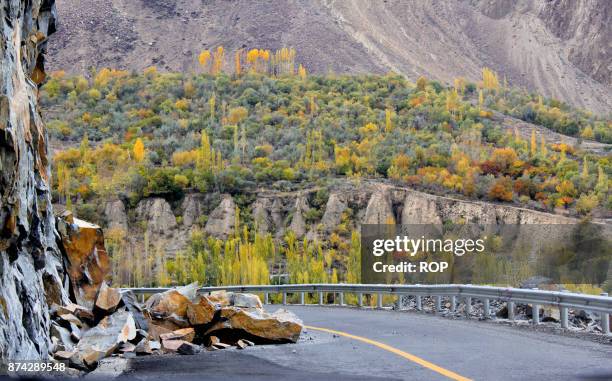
pixel 560 48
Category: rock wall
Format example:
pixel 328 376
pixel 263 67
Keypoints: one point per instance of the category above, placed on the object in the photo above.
pixel 30 262
pixel 366 202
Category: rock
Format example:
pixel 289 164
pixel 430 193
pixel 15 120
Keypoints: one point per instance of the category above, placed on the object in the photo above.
pixel 128 298
pixel 190 291
pixel 102 340
pixel 185 334
pixel 169 309
pixel 419 209
pixel 193 207
pixel 158 214
pixel 222 298
pixel 108 299
pixel 172 345
pixel 31 269
pixel 62 335
pixel 128 332
pixel 261 215
pixel 221 220
pixel 115 215
pixel 248 342
pixel 280 326
pixel 154 345
pixel 379 210
pixel 333 212
pixel 70 318
pixel 143 347
pixel 246 300
pixel 221 346
pixel 298 221
pixel 155 331
pixel 201 312
pixel 241 344
pixel 127 347
pixel 63 355
pixel 88 261
pixel 84 314
pixel 212 340
pixel 188 349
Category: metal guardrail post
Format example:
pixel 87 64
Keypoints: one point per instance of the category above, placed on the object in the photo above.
pixel 605 319
pixel 302 299
pixel 453 302
pixel 563 312
pixel 535 314
pixel 438 304
pixel 419 303
pixel 379 301
pixel 511 310
pixel 487 308
pixel 399 302
pixel 284 298
pixel 320 298
pixel 360 299
pixel 266 298
pixel 468 306
pixel 342 298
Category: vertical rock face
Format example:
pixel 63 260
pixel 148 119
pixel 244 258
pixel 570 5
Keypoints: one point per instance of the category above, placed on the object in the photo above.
pixel 30 263
pixel 221 221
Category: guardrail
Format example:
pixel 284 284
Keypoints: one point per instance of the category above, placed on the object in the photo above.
pixel 601 304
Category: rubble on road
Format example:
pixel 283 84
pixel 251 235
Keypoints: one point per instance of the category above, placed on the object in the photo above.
pixel 176 321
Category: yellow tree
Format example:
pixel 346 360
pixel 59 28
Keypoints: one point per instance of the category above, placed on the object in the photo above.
pixel 211 105
pixel 302 72
pixel 139 150
pixel 388 120
pixel 218 57
pixel 237 66
pixel 204 59
pixel 489 79
pixel 533 145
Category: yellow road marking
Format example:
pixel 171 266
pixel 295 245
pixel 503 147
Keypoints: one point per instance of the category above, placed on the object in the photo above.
pixel 445 372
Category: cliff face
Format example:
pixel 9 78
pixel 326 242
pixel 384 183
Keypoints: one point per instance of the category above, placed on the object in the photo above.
pixel 353 204
pixel 30 262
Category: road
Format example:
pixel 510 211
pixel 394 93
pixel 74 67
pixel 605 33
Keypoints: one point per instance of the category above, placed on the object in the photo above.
pixel 389 345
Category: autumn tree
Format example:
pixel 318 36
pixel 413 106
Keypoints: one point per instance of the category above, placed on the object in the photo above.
pixel 139 150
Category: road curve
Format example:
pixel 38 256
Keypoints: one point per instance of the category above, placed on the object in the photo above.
pixel 412 347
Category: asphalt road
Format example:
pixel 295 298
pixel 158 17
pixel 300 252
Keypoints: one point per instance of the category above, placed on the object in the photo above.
pixel 401 346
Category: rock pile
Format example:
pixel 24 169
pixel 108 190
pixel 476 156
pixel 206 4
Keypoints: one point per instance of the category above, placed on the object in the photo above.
pixel 101 321
pixel 176 321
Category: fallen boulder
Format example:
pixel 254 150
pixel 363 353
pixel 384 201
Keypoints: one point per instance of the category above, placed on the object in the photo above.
pixel 88 262
pixel 280 326
pixel 107 300
pixel 102 340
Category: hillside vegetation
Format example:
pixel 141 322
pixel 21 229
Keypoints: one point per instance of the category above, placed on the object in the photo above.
pixel 271 125
pixel 160 134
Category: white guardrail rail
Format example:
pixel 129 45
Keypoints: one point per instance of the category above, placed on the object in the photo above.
pixel 601 304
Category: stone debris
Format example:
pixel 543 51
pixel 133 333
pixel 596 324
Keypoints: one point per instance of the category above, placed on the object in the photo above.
pixel 108 299
pixel 577 319
pixel 176 321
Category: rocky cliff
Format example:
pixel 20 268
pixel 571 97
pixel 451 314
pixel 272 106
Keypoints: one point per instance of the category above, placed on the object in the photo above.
pixel 30 262
pixel 345 203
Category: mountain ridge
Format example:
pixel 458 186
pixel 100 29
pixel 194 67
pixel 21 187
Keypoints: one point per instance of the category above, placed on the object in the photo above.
pixel 559 48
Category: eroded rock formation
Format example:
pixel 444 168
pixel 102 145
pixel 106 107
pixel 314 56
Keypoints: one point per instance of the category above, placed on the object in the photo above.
pixel 30 262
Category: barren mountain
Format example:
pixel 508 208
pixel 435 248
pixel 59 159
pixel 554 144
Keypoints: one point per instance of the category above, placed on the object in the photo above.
pixel 560 48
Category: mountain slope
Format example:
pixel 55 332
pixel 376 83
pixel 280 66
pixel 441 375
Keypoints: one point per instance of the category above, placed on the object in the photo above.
pixel 557 48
